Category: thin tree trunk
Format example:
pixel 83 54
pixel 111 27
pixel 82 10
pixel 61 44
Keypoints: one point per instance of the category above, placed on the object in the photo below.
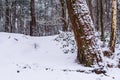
pixel 1 9
pixel 14 16
pixel 108 10
pixel 33 19
pixel 65 28
pixel 97 17
pixel 88 49
pixel 90 8
pixel 114 24
pixel 7 17
pixel 102 20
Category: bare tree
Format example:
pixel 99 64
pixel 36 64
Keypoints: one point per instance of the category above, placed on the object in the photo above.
pixel 63 6
pixel 98 15
pixel 7 17
pixel 102 19
pixel 1 8
pixel 33 19
pixel 90 8
pixel 14 16
pixel 114 25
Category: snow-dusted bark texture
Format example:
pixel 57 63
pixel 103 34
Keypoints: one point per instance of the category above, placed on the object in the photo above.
pixel 88 49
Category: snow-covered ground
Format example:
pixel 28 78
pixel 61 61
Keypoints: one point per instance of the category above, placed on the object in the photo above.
pixel 41 58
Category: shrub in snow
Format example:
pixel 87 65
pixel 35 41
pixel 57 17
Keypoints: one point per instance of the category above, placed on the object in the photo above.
pixel 66 42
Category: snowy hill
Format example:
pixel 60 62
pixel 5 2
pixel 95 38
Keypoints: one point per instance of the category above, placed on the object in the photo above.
pixel 41 58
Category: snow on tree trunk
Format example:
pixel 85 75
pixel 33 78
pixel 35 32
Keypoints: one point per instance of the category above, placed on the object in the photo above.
pixel 114 24
pixel 88 50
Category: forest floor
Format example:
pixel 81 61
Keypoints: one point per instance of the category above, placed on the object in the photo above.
pixel 42 58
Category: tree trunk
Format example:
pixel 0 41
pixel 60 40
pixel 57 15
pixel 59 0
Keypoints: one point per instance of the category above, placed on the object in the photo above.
pixel 90 8
pixel 1 9
pixel 14 16
pixel 33 19
pixel 88 50
pixel 114 24
pixel 102 20
pixel 65 27
pixel 98 16
pixel 7 17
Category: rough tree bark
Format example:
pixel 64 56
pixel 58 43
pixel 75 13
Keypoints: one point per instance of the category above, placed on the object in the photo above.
pixel 114 25
pixel 88 50
pixel 33 19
